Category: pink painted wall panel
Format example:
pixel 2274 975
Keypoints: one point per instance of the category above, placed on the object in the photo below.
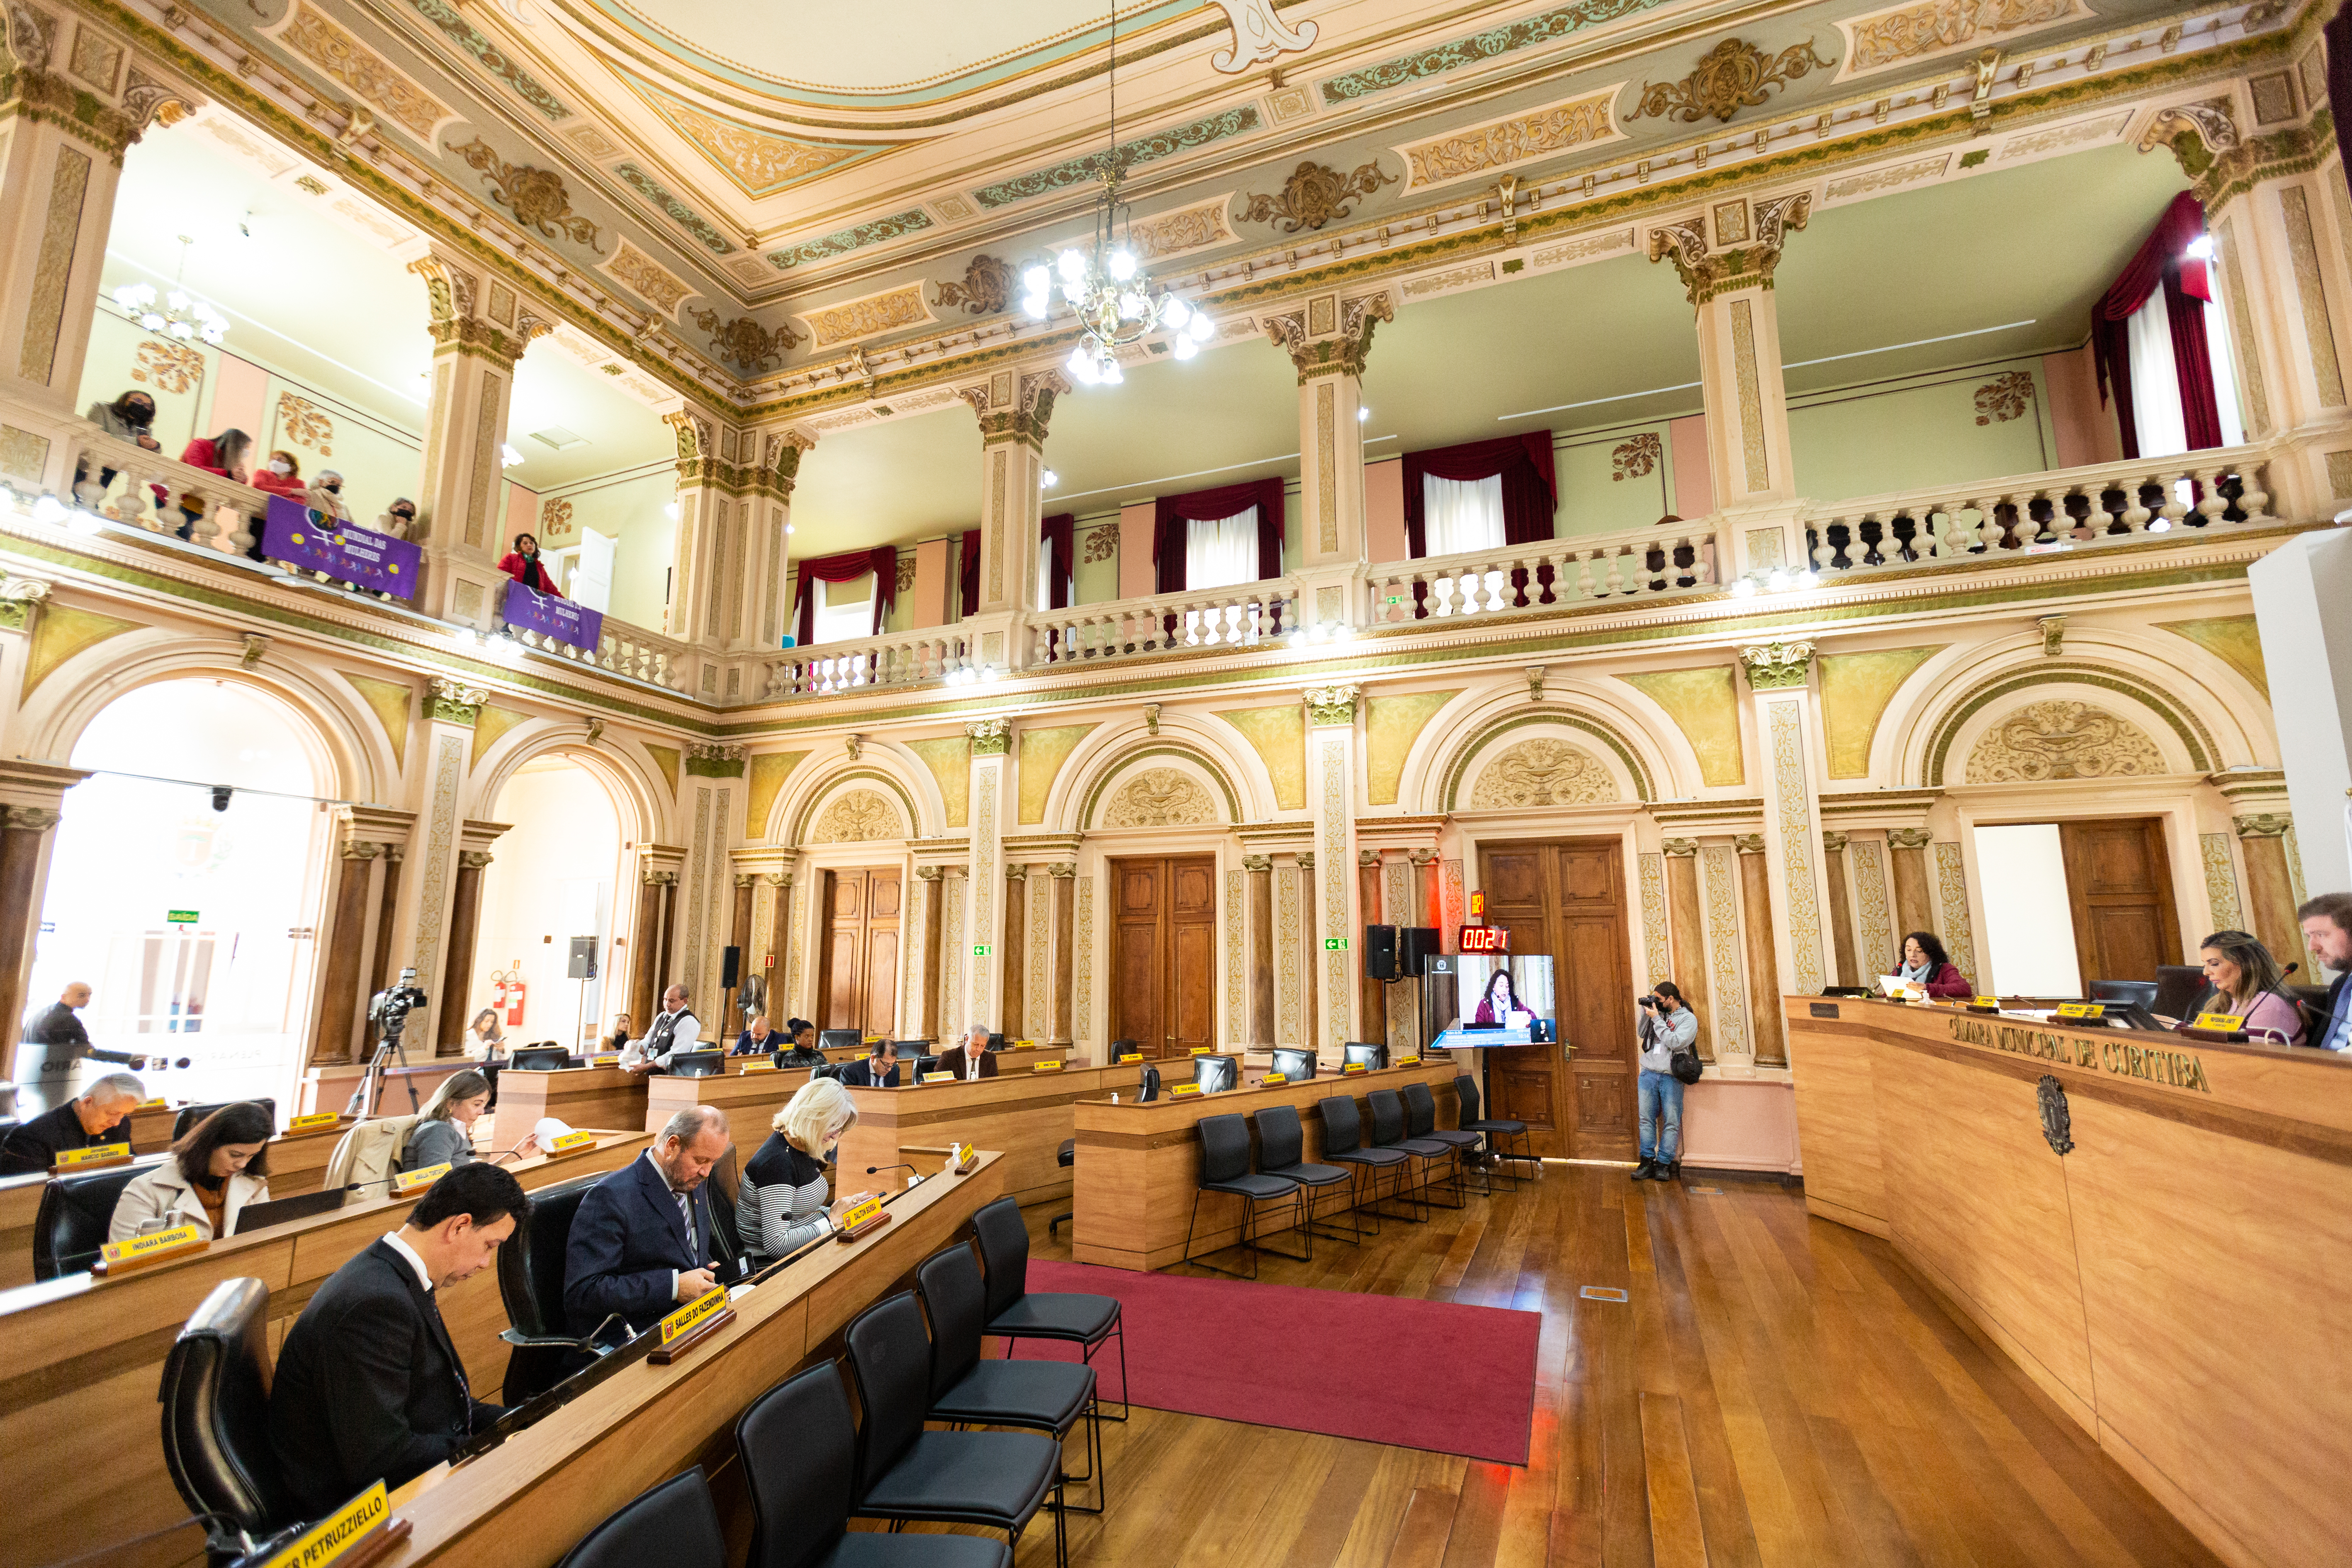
pixel 2087 431
pixel 934 568
pixel 1693 479
pixel 1138 577
pixel 522 517
pixel 239 388
pixel 1384 510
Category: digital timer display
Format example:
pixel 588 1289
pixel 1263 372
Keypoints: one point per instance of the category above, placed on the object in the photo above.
pixel 1484 938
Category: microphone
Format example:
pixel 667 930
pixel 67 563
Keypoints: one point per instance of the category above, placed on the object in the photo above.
pixel 877 1170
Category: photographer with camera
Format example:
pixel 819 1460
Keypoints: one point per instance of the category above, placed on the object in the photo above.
pixel 1668 1031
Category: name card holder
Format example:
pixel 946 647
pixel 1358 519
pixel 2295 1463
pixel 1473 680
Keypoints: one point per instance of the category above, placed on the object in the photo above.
pixel 606 1059
pixel 96 1157
pixel 1025 1045
pixel 354 1535
pixel 963 1160
pixel 1185 1088
pixel 2081 1009
pixel 939 1078
pixel 1984 1003
pixel 691 1324
pixel 1406 1062
pixel 158 1103
pixel 1273 1077
pixel 1047 1066
pixel 409 1182
pixel 2220 1023
pixel 123 1257
pixel 313 1121
pixel 571 1143
pixel 765 1065
pixel 1131 1058
pixel 862 1221
pixel 1353 1066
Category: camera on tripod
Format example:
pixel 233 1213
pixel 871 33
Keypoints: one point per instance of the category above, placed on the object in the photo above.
pixel 389 1008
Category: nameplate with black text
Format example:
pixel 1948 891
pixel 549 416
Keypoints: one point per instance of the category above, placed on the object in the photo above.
pixel 409 1182
pixel 97 1154
pixel 357 1527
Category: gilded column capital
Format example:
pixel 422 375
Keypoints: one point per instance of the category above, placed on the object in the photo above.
pixel 448 701
pixel 47 98
pixel 1748 843
pixel 1706 273
pixel 930 873
pixel 1014 406
pixel 2053 634
pixel 1258 864
pixel 745 879
pixel 1421 856
pixel 1680 847
pixel 1016 872
pixel 1773 667
pixel 781 465
pixel 1328 336
pixel 360 850
pixel 989 737
pixel 707 760
pixel 19 596
pixel 777 878
pixel 1328 705
pixel 1062 870
pixel 1368 856
pixel 1306 859
pixel 653 878
pixel 2264 824
pixel 1909 837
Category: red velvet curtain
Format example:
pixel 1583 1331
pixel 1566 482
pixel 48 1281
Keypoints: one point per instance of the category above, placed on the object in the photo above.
pixel 846 567
pixel 1523 463
pixel 1054 536
pixel 968 570
pixel 1171 513
pixel 2161 263
pixel 2338 34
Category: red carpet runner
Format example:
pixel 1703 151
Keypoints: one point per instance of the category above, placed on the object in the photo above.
pixel 1387 1369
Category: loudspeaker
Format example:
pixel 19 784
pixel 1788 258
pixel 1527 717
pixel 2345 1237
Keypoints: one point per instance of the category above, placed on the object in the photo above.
pixel 730 968
pixel 584 959
pixel 1416 945
pixel 1380 952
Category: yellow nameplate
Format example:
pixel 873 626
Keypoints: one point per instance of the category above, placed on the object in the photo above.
pixel 1984 1001
pixel 158 1103
pixel 959 1154
pixel 1025 1045
pixel 1276 1077
pixel 2226 1023
pixel 119 1252
pixel 758 1067
pixel 1404 1061
pixel 608 1060
pixel 1186 1088
pixel 336 1534
pixel 317 1119
pixel 1131 1057
pixel 1205 1050
pixel 1353 1066
pixel 693 1312
pixel 2081 1009
pixel 857 1215
pixel 569 1140
pixel 414 1181
pixel 939 1078
pixel 93 1154
pixel 1047 1066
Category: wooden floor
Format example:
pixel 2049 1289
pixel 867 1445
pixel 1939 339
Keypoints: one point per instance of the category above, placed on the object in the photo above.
pixel 1778 1391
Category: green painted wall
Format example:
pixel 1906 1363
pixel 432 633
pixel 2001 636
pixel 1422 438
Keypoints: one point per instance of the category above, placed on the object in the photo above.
pixel 1916 431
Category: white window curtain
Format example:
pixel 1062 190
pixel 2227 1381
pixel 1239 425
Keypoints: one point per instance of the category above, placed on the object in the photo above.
pixel 2225 373
pixel 2155 381
pixel 1458 515
pixel 1220 553
pixel 840 621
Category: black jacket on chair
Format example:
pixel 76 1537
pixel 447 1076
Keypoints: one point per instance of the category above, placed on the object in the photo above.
pixel 859 1074
pixel 627 1242
pixel 369 1385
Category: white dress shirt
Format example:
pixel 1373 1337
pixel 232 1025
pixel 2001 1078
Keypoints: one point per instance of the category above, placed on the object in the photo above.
pixel 687 1035
pixel 392 1240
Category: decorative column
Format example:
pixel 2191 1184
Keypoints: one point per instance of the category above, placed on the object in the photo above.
pixel 2270 887
pixel 739 939
pixel 1311 956
pixel 779 888
pixel 1726 257
pixel 645 984
pixel 1756 923
pixel 1915 899
pixel 1841 904
pixel 31 795
pixel 1429 907
pixel 332 1039
pixel 1689 936
pixel 1330 784
pixel 1371 995
pixel 428 873
pixel 1016 1019
pixel 479 331
pixel 931 884
pixel 758 617
pixel 1065 874
pixel 1014 408
pixel 1779 682
pixel 387 913
pixel 1260 872
pixel 984 914
pixel 1328 340
pixel 456 1008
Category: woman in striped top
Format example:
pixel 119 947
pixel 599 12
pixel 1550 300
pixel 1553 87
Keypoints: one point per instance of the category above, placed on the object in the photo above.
pixel 782 1205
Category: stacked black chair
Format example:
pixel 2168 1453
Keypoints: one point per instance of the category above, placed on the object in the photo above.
pixel 1421 1122
pixel 216 1421
pixel 1343 1143
pixel 1465 1097
pixel 1031 1396
pixel 1066 1157
pixel 1016 1313
pixel 1388 1133
pixel 997 1480
pixel 76 1212
pixel 1225 1168
pixel 800 1457
pixel 190 1115
pixel 1281 1151
pixel 675 1525
pixel 530 1283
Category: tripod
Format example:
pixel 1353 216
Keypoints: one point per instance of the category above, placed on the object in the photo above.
pixel 370 1089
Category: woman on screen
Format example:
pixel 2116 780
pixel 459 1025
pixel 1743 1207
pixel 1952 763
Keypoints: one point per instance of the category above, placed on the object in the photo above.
pixel 1500 1004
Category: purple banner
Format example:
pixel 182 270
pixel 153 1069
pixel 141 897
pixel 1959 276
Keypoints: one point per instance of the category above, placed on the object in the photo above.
pixel 530 610
pixel 349 553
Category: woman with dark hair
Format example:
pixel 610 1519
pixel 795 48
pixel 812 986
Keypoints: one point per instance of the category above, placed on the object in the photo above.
pixel 1500 1000
pixel 1924 965
pixel 2246 982
pixel 804 1052
pixel 444 1133
pixel 224 454
pixel 522 563
pixel 1664 1026
pixel 218 1166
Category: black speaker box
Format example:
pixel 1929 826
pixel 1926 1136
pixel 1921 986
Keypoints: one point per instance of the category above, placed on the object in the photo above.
pixel 584 959
pixel 1380 952
pixel 1416 945
pixel 730 968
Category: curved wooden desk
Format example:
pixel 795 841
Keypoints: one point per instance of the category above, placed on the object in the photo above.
pixel 750 1100
pixel 2157 1230
pixel 577 1097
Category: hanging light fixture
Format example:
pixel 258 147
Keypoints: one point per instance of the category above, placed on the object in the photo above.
pixel 181 317
pixel 1116 303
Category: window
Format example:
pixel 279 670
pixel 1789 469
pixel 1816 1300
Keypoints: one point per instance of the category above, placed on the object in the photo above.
pixel 2156 379
pixel 1461 515
pixel 1220 553
pixel 844 611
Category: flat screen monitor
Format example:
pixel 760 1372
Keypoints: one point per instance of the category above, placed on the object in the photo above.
pixel 696 1064
pixel 1506 991
pixel 1294 1065
pixel 1356 1053
pixel 996 1042
pixel 1215 1075
pixel 2141 992
pixel 303 1206
pixel 838 1039
pixel 540 1059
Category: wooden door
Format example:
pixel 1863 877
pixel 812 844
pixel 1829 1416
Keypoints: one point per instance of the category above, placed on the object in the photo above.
pixel 2119 891
pixel 1164 952
pixel 857 964
pixel 1567 899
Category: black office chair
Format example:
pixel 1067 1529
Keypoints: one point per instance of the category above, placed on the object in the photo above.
pixel 675 1525
pixel 216 1421
pixel 1466 1098
pixel 71 1225
pixel 1343 1143
pixel 920 1065
pixel 799 1450
pixel 725 1180
pixel 838 1039
pixel 1147 1088
pixel 996 1042
pixel 1066 1157
pixel 1389 1132
pixel 1421 1123
pixel 2142 992
pixel 997 1480
pixel 530 1283
pixel 1281 1151
pixel 1225 1168
pixel 190 1115
pixel 540 1059
pixel 1015 1312
pixel 1031 1396
pixel 1121 1047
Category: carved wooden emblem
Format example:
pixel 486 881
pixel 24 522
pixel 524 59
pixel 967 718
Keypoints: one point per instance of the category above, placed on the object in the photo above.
pixel 2057 1123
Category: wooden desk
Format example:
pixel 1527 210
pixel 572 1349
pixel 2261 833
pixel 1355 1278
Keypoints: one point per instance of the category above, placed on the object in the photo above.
pixel 750 1100
pixel 2165 1282
pixel 577 1097
pixel 330 1088
pixel 528 1500
pixel 81 1360
pixel 1139 1165
pixel 151 1127
pixel 298 1161
pixel 1020 1112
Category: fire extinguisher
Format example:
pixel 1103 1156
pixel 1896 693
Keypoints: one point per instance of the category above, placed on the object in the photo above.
pixel 511 992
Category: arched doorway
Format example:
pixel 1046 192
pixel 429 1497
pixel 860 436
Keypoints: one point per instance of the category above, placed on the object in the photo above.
pixel 192 914
pixel 552 877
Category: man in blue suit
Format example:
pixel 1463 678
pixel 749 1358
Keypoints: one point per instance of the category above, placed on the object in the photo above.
pixel 879 1070
pixel 641 1242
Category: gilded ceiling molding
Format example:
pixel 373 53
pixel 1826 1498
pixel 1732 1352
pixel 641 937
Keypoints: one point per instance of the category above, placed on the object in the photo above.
pixel 986 288
pixel 1315 194
pixel 840 242
pixel 1131 154
pixel 536 196
pixel 1183 231
pixel 659 285
pixel 443 15
pixel 743 342
pixel 1728 77
pixel 1580 121
pixel 398 98
pixel 1260 38
pixel 677 212
pixel 1929 29
pixel 869 316
pixel 759 162
pixel 1479 49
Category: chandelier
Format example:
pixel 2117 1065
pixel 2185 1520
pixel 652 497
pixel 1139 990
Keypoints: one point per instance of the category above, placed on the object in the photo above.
pixel 1102 281
pixel 181 317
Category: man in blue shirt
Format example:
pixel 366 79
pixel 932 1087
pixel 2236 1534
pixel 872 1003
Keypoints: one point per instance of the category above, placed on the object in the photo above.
pixel 2327 928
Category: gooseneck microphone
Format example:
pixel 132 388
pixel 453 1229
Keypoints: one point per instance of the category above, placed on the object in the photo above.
pixel 877 1170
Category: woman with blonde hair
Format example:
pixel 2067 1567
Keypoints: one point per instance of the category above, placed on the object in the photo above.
pixel 781 1206
pixel 2246 982
pixel 444 1133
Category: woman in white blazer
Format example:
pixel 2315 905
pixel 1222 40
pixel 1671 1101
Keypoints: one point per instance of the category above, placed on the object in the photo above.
pixel 216 1168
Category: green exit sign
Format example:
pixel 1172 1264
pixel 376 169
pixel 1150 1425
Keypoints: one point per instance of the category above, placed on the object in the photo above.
pixel 180 917
pixel 1335 944
pixel 982 950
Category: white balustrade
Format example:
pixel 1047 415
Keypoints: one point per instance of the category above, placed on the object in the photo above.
pixel 145 489
pixel 1543 575
pixel 1241 616
pixel 900 659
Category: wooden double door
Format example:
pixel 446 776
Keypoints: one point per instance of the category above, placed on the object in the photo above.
pixel 2119 892
pixel 1163 952
pixel 857 961
pixel 1567 898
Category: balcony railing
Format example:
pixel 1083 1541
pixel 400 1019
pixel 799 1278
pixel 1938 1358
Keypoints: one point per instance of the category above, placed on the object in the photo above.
pixel 1241 616
pixel 895 658
pixel 131 485
pixel 1544 573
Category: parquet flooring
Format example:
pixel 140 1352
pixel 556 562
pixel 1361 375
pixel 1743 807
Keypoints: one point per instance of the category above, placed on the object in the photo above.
pixel 1777 1392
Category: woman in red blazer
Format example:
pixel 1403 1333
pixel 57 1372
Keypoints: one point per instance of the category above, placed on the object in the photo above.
pixel 1925 964
pixel 522 563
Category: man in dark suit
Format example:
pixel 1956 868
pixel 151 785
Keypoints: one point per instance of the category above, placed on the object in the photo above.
pixel 370 1386
pixel 758 1041
pixel 2327 930
pixel 641 1242
pixel 879 1070
pixel 100 1116
pixel 970 1059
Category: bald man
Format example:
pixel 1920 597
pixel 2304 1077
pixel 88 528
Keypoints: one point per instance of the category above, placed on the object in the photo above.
pixel 63 1039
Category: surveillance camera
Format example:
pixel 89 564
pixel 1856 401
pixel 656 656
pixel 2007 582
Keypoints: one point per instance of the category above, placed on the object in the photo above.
pixel 220 797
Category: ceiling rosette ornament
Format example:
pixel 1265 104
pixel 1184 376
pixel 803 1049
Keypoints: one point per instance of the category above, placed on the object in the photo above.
pixel 986 288
pixel 743 342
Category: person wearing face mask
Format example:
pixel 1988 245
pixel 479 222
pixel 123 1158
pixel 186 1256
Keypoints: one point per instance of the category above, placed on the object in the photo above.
pixel 327 496
pixel 399 518
pixel 780 1204
pixel 130 417
pixel 523 564
pixel 281 476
